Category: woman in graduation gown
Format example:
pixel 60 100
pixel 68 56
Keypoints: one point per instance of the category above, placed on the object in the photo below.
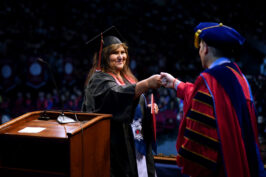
pixel 112 88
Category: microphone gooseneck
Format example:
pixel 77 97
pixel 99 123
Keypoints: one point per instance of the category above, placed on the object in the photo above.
pixel 61 118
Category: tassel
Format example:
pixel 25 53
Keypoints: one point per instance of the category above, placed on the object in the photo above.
pixel 196 38
pixel 100 54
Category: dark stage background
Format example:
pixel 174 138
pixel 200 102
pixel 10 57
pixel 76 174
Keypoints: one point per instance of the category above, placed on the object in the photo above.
pixel 160 38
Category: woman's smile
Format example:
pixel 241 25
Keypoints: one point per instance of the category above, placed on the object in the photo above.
pixel 118 59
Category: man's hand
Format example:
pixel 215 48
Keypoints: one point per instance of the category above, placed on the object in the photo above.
pixel 167 80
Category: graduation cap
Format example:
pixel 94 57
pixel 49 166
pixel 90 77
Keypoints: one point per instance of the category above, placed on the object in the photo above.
pixel 106 38
pixel 218 35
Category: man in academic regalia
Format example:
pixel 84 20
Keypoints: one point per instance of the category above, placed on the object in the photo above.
pixel 218 133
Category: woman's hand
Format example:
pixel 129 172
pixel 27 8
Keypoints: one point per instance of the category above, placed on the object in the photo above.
pixel 156 108
pixel 154 81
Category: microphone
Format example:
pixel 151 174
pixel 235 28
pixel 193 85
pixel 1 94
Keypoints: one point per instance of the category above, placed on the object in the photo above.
pixel 62 119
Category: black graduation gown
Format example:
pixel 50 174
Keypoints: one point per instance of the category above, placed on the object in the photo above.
pixel 104 95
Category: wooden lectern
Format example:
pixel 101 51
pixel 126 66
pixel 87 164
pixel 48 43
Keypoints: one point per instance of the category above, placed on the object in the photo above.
pixel 30 147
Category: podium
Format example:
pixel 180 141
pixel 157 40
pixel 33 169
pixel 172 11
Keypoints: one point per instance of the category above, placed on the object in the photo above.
pixel 30 147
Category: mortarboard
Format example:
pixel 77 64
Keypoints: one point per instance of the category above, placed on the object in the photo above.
pixel 217 34
pixel 108 37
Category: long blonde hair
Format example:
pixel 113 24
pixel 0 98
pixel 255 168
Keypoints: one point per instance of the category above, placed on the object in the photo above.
pixel 105 62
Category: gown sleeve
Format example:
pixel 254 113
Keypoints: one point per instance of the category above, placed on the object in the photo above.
pixel 198 142
pixel 104 95
pixel 184 91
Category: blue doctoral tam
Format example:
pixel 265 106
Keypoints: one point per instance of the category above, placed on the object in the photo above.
pixel 217 35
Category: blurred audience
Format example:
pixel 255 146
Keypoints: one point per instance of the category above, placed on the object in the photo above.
pixel 157 32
